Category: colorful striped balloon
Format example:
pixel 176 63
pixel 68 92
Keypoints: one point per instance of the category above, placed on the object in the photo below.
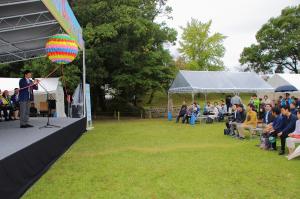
pixel 61 49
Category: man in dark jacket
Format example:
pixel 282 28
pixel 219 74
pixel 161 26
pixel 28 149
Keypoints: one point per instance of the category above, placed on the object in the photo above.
pixel 26 97
pixel 239 117
pixel 267 116
pixel 289 127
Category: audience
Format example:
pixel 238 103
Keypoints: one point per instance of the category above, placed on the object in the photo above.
pixel 222 109
pixel 193 109
pixel 15 103
pixel 182 112
pixel 236 100
pixel 272 129
pixel 249 123
pixel 239 116
pixel 282 121
pixel 286 101
pixel 6 106
pixel 289 126
pixel 295 136
pixel 267 115
pixel 228 102
pixel 293 108
pixel 266 100
pixel 9 105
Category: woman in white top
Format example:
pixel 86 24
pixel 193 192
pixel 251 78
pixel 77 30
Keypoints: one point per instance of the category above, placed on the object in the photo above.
pixel 290 142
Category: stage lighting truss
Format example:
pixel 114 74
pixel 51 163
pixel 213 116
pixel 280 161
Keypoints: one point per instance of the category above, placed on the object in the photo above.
pixel 23 35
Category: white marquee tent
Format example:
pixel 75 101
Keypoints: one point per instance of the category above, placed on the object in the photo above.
pixel 52 85
pixel 218 82
pixel 285 79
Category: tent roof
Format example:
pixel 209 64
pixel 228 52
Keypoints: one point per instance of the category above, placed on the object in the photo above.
pixel 50 84
pixel 26 25
pixel 218 82
pixel 285 79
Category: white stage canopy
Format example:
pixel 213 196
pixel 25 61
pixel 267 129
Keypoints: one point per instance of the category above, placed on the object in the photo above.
pixel 52 85
pixel 285 79
pixel 218 82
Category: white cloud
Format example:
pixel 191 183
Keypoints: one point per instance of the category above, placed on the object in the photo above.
pixel 237 19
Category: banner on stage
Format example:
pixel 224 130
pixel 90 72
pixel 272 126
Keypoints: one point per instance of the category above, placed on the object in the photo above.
pixel 88 105
pixel 63 13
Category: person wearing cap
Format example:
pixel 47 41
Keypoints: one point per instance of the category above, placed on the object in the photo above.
pixel 26 97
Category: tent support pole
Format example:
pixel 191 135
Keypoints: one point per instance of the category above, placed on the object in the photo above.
pixel 84 83
pixel 168 101
pixel 193 97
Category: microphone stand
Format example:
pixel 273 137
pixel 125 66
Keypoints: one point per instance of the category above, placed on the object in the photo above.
pixel 49 97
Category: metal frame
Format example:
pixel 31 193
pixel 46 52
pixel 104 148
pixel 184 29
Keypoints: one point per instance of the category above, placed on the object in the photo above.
pixel 24 21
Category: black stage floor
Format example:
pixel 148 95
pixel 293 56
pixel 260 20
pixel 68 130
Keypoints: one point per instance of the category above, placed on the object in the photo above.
pixel 26 154
pixel 13 138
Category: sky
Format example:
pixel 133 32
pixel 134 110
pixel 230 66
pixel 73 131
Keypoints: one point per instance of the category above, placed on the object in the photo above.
pixel 239 20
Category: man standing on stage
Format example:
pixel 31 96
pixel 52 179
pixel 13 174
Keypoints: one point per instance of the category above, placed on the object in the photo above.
pixel 26 97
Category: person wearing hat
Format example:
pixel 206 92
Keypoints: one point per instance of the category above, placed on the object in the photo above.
pixel 26 97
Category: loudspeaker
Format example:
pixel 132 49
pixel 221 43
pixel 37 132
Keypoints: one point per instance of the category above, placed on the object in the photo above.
pixel 52 104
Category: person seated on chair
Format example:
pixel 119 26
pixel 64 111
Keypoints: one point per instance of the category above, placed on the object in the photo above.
pixel 239 118
pixel 208 109
pixel 267 116
pixel 214 112
pixel 295 136
pixel 289 127
pixel 188 114
pixel 272 129
pixel 293 108
pixel 15 103
pixel 222 111
pixel 182 111
pixel 6 106
pixel 196 109
pixel 249 123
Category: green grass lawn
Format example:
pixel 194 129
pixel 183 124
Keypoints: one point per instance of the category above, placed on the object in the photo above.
pixel 160 159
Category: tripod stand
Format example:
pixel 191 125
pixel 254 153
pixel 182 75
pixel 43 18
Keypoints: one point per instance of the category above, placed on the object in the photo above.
pixel 50 101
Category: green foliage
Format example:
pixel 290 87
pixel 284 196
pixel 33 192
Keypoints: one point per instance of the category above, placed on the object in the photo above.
pixel 202 50
pixel 160 159
pixel 278 45
pixel 125 47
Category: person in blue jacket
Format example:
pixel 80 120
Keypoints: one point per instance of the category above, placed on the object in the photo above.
pixel 26 97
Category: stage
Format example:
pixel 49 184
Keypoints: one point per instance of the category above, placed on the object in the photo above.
pixel 26 154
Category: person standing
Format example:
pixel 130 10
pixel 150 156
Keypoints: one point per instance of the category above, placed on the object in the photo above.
pixel 26 97
pixel 236 100
pixel 228 102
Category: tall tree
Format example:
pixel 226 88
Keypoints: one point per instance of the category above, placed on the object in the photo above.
pixel 202 50
pixel 278 46
pixel 125 46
